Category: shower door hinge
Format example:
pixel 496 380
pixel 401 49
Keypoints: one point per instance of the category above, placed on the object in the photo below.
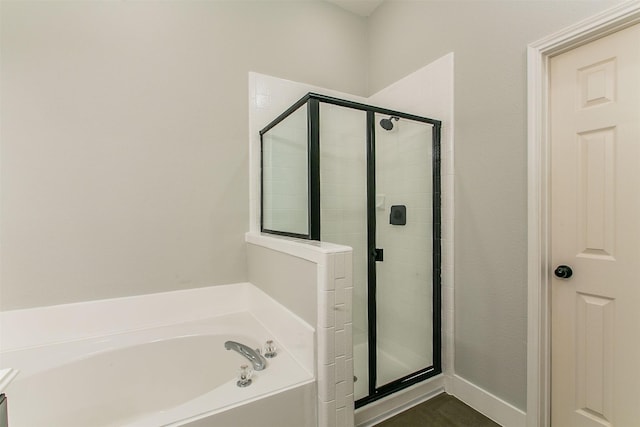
pixel 378 254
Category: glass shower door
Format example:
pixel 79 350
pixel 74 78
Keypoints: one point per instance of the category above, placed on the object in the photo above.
pixel 343 201
pixel 404 231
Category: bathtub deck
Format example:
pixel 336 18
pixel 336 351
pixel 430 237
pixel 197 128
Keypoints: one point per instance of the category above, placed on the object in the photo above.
pixel 283 372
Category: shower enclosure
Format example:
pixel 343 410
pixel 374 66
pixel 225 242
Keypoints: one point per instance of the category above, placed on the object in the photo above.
pixel 369 178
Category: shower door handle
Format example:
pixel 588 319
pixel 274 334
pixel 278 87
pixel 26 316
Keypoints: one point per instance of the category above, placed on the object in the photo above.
pixel 377 254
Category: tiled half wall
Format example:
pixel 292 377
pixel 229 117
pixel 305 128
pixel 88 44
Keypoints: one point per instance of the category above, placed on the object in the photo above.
pixel 334 324
pixel 335 341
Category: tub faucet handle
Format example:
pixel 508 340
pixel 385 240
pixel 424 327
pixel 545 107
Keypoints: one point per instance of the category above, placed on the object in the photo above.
pixel 270 349
pixel 244 377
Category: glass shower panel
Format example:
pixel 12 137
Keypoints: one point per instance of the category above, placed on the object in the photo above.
pixel 285 188
pixel 404 187
pixel 343 201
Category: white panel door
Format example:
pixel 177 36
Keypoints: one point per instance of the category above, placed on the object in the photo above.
pixel 595 217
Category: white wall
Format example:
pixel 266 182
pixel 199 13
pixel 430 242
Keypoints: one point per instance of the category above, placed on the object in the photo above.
pixel 489 40
pixel 124 125
pixel 296 290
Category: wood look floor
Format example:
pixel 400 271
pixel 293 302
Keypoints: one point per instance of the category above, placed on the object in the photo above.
pixel 443 410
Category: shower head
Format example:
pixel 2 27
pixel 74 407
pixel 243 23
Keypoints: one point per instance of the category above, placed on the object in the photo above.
pixel 387 124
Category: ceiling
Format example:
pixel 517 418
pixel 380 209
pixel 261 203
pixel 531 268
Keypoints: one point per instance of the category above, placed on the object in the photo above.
pixel 359 7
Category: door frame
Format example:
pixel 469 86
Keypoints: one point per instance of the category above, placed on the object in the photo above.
pixel 538 143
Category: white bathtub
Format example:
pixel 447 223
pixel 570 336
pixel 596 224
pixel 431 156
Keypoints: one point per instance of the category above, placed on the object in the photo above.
pixel 173 375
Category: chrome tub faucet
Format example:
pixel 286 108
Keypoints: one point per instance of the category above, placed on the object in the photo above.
pixel 254 356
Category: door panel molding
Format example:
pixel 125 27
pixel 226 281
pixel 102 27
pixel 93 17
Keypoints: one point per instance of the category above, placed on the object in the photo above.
pixel 539 268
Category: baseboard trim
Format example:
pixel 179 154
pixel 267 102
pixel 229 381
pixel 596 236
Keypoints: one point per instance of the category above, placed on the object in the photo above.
pixel 486 403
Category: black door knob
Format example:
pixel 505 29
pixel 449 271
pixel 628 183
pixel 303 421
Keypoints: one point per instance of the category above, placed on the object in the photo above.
pixel 563 272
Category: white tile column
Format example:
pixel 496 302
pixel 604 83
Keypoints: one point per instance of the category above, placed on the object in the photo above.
pixel 335 341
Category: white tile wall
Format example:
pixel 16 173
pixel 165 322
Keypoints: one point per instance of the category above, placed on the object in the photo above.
pixel 335 363
pixel 286 201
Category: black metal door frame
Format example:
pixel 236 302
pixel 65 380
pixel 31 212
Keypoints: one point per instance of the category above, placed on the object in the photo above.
pixel 376 393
